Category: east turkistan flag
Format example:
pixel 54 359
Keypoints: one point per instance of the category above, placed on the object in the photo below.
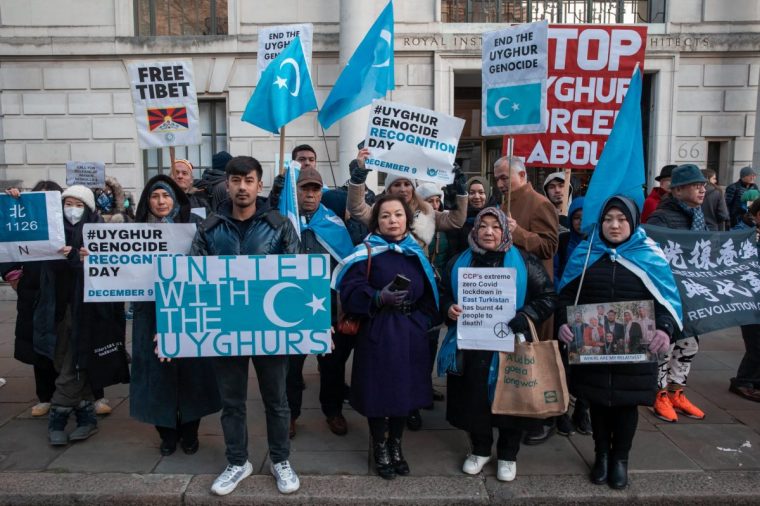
pixel 284 91
pixel 514 105
pixel 288 206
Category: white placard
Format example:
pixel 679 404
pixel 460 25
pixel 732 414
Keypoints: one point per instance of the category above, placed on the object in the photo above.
pixel 273 39
pixel 120 264
pixel 31 227
pixel 488 300
pixel 165 103
pixel 414 142
pixel 89 174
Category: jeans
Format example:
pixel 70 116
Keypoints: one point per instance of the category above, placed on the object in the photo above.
pixel 748 374
pixel 614 428
pixel 232 378
pixel 506 448
pixel 332 375
pixel 295 384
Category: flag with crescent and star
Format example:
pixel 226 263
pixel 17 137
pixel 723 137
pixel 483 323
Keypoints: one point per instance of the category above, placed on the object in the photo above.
pixel 284 91
pixel 368 74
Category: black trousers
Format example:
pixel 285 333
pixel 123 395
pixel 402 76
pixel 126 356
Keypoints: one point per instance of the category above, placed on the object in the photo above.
pixel 507 446
pixel 187 432
pixel 748 374
pixel 614 428
pixel 44 378
pixel 394 424
pixel 332 375
pixel 294 384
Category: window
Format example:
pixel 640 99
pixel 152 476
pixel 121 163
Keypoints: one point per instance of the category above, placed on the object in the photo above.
pixel 180 17
pixel 213 118
pixel 554 11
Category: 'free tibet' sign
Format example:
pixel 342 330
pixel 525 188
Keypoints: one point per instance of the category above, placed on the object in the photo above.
pixel 243 305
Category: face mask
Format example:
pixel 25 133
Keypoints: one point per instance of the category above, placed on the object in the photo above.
pixel 73 214
pixel 105 202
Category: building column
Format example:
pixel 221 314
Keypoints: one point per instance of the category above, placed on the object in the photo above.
pixel 756 142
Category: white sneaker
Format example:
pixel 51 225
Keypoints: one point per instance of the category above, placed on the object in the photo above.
pixel 230 478
pixel 473 464
pixel 102 407
pixel 287 479
pixel 41 409
pixel 506 470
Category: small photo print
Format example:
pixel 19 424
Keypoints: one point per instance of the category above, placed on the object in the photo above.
pixel 612 332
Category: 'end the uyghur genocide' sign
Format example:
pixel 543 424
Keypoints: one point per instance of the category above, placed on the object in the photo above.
pixel 165 103
pixel 515 64
pixel 120 264
pixel 31 227
pixel 590 68
pixel 412 141
pixel 274 39
pixel 243 305
pixel 89 174
pixel 718 275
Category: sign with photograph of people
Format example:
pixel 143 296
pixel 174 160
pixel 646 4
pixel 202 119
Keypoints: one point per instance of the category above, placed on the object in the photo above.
pixel 611 332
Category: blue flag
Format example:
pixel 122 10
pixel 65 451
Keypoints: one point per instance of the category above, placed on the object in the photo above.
pixel 289 198
pixel 368 74
pixel 284 91
pixel 620 170
pixel 514 105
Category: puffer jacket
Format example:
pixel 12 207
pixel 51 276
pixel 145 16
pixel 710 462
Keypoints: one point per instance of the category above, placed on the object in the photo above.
pixel 670 215
pixel 734 193
pixel 269 233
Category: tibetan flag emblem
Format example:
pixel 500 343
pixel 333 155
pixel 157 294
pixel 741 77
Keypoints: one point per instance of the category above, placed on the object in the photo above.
pixel 167 119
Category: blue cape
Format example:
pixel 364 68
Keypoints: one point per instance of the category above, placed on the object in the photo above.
pixel 330 231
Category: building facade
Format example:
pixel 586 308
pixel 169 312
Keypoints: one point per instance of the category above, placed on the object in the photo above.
pixel 64 91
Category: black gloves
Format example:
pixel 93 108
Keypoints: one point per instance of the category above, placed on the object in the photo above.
pixel 460 181
pixel 274 195
pixel 358 174
pixel 519 325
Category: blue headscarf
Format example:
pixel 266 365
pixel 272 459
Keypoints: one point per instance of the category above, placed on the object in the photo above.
pixel 160 185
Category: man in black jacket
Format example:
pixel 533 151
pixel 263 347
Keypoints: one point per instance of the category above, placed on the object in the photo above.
pixel 735 191
pixel 244 225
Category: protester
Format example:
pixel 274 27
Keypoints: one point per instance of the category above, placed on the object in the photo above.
pixel 568 240
pixel 478 198
pixel 747 220
pixel 244 225
pixel 468 406
pixel 110 202
pixel 307 159
pixel 735 191
pixel 714 205
pixel 554 189
pixel 172 395
pixel 214 181
pixel 620 264
pixel 682 209
pixel 658 192
pixel 390 374
pixel 182 174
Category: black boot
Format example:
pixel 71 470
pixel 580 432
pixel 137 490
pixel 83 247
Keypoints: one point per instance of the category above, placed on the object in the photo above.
pixel 414 420
pixel 397 457
pixel 57 420
pixel 618 478
pixel 87 422
pixel 383 463
pixel 599 471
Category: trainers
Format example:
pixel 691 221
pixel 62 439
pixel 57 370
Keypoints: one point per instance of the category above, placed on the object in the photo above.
pixel 506 470
pixel 41 409
pixel 287 479
pixel 681 403
pixel 102 407
pixel 473 464
pixel 663 408
pixel 230 478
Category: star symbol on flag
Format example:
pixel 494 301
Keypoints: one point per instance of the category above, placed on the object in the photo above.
pixel 282 83
pixel 316 304
pixel 515 106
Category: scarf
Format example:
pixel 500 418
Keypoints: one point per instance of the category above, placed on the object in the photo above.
pixel 506 238
pixel 330 231
pixel 169 218
pixel 697 217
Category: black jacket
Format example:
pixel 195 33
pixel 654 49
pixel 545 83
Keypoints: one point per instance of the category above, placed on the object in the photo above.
pixel 26 300
pixel 714 208
pixel 734 193
pixel 670 215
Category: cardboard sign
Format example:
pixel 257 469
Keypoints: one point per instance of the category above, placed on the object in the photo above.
pixel 590 67
pixel 165 103
pixel 243 305
pixel 89 174
pixel 274 39
pixel 412 141
pixel 31 227
pixel 514 79
pixel 488 299
pixel 120 264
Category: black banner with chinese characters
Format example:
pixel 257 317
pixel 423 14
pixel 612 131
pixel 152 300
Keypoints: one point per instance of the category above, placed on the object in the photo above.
pixel 718 275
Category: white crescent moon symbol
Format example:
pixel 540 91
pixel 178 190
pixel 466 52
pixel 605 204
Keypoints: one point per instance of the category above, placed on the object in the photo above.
pixel 269 305
pixel 386 36
pixel 496 108
pixel 291 61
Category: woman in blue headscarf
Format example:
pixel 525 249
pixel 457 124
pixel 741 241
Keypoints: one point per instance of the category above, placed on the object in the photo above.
pixel 621 264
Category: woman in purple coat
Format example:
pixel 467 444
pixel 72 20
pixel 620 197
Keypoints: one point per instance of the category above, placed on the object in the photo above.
pixel 391 374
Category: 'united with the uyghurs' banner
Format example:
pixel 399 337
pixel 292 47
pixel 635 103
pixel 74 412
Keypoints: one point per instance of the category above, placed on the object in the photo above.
pixel 243 305
pixel 718 275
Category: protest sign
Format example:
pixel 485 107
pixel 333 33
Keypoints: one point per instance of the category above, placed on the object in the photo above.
pixel 613 332
pixel 487 297
pixel 274 39
pixel 31 227
pixel 120 264
pixel 413 142
pixel 718 275
pixel 165 103
pixel 590 67
pixel 243 305
pixel 514 79
pixel 89 174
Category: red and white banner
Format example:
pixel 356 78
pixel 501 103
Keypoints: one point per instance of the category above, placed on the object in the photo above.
pixel 590 68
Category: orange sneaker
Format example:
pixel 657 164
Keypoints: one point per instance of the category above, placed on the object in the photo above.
pixel 681 403
pixel 663 409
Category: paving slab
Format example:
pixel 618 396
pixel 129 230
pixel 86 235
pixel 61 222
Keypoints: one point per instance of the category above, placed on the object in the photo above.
pixel 24 446
pixel 11 410
pixel 704 361
pixel 718 447
pixel 713 385
pixel 749 417
pixel 329 463
pixel 210 458
pixel 436 452
pixel 313 434
pixel 18 390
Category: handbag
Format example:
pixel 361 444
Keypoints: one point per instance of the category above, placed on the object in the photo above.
pixel 531 381
pixel 348 324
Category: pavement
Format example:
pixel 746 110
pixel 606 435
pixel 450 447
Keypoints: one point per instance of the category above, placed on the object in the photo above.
pixel 713 461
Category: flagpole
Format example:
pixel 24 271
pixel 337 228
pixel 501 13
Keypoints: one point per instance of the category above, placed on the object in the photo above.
pixel 282 150
pixel 510 151
pixel 566 192
pixel 327 150
pixel 172 157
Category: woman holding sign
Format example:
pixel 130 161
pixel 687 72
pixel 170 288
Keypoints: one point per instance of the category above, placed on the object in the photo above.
pixel 622 265
pixel 470 379
pixel 393 290
pixel 173 395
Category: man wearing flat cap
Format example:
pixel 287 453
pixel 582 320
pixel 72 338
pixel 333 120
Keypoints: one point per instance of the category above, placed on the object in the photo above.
pixel 735 191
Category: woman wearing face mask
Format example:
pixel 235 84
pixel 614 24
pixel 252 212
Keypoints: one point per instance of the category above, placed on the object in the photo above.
pixel 65 327
pixel 623 264
pixel 172 395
